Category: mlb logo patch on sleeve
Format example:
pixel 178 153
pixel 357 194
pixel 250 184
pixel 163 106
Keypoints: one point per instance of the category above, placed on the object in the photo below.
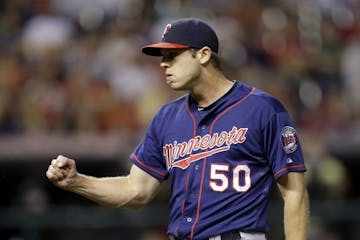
pixel 289 139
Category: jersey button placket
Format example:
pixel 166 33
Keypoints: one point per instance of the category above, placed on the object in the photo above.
pixel 193 192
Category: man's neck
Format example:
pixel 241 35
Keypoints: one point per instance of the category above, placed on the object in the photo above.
pixel 211 90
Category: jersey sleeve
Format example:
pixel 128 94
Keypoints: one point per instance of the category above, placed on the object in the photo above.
pixel 148 156
pixel 282 146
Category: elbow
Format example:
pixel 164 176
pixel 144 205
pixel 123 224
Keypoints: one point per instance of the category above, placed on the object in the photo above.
pixel 296 197
pixel 138 201
pixel 297 201
pixel 141 201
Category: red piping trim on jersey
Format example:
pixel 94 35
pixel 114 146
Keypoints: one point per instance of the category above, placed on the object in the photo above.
pixel 176 230
pixel 230 107
pixel 203 172
pixel 186 188
pixel 199 199
pixel 191 115
pixel 146 166
pixel 194 134
pixel 287 168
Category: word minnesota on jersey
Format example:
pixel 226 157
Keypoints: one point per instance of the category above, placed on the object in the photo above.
pixel 209 143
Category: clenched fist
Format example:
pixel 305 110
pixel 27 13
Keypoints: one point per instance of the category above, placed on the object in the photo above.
pixel 62 172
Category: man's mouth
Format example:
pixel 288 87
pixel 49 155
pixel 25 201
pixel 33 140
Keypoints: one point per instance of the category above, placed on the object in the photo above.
pixel 168 77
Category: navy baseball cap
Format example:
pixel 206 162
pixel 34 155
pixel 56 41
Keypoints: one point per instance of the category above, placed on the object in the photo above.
pixel 184 33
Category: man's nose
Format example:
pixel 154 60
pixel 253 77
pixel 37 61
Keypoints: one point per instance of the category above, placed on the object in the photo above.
pixel 164 64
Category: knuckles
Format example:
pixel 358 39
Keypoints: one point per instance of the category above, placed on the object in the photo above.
pixel 59 170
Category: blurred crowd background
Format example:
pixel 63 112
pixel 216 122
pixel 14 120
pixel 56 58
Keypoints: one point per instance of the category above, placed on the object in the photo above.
pixel 73 81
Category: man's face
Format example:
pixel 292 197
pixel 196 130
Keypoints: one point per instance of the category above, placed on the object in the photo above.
pixel 182 68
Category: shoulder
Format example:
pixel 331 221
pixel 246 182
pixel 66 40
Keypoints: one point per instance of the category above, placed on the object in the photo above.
pixel 262 99
pixel 260 105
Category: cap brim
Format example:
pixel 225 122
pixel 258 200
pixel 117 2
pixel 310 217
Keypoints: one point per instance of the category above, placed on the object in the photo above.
pixel 155 49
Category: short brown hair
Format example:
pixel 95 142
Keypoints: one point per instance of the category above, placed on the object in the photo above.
pixel 214 60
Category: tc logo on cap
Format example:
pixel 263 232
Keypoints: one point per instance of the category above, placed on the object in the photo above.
pixel 166 30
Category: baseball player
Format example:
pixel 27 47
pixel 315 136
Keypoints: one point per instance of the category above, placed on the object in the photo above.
pixel 222 145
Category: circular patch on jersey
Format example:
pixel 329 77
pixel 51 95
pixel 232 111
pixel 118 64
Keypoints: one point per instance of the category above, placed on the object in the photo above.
pixel 289 139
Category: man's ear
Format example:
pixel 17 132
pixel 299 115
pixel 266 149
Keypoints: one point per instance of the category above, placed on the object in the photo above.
pixel 204 55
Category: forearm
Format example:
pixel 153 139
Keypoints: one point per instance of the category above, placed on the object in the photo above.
pixel 132 191
pixel 296 216
pixel 108 191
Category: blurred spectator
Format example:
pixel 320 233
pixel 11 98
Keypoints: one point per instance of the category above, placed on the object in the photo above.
pixel 351 72
pixel 45 32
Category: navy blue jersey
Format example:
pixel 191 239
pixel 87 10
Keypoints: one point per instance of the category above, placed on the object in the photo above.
pixel 222 160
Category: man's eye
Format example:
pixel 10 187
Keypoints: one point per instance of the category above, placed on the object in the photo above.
pixel 171 56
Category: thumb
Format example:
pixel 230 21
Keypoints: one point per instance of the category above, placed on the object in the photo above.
pixel 62 161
